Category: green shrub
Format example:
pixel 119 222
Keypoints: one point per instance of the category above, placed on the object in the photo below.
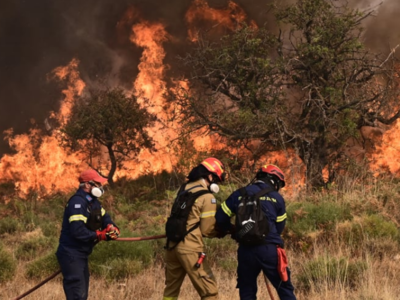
pixel 9 225
pixel 375 226
pixel 105 254
pixel 30 220
pixel 42 267
pixel 50 229
pixel 371 234
pixel 325 272
pixel 8 265
pixel 32 248
pixel 308 217
pixel 118 268
pixel 228 263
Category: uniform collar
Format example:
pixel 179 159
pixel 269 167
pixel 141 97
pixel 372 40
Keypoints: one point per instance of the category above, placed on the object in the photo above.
pixel 200 181
pixel 86 195
pixel 260 182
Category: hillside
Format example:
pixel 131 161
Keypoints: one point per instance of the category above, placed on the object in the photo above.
pixel 342 243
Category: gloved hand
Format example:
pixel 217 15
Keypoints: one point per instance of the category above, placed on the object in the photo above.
pixel 101 235
pixel 112 232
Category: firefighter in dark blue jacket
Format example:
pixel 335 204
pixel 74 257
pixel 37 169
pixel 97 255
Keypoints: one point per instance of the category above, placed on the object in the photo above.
pixel 85 223
pixel 270 256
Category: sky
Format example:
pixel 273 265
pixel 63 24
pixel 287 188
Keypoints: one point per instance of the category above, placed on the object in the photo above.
pixel 37 36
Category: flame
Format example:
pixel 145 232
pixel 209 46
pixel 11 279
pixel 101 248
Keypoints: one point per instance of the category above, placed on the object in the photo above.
pixel 70 74
pixel 40 165
pixel 200 15
pixel 386 157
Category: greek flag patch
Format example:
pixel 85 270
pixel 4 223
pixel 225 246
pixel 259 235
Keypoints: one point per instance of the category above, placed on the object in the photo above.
pixel 77 206
pixel 213 201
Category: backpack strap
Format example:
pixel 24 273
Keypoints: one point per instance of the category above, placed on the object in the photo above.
pixel 260 193
pixel 243 191
pixel 264 192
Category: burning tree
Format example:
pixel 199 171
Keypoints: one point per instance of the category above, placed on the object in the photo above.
pixel 310 87
pixel 111 120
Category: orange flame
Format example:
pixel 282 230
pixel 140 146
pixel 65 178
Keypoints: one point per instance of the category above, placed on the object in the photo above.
pixel 40 165
pixel 200 15
pixel 386 157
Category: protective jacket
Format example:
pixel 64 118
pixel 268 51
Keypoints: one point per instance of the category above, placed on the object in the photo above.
pixel 273 206
pixel 203 212
pixel 82 214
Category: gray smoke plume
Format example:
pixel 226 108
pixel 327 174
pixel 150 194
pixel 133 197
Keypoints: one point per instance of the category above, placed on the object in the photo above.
pixel 38 36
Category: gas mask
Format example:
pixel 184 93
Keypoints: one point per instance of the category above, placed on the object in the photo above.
pixel 214 188
pixel 96 191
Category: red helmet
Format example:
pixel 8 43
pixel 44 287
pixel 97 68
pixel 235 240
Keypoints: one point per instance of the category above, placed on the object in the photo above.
pixel 273 170
pixel 215 166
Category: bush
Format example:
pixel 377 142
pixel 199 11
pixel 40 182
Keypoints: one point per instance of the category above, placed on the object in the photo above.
pixel 118 268
pixel 221 252
pixel 328 272
pixel 370 234
pixel 43 267
pixel 308 217
pixel 9 225
pixel 50 229
pixel 29 249
pixel 8 265
pixel 106 254
pixel 375 226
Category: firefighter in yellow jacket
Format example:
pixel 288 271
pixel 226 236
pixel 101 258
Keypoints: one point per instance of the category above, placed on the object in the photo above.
pixel 188 256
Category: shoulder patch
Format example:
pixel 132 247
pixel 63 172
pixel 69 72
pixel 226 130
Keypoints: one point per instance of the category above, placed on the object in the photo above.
pixel 89 198
pixel 213 201
pixel 77 206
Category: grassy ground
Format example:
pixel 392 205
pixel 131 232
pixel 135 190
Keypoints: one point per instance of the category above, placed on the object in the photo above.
pixel 341 244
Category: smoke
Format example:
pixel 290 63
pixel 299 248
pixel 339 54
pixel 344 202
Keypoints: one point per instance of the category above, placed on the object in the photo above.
pixel 382 34
pixel 38 36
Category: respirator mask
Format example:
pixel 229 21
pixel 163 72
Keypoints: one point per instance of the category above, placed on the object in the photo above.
pixel 214 188
pixel 96 191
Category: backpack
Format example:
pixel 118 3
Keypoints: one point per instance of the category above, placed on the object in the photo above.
pixel 252 225
pixel 175 228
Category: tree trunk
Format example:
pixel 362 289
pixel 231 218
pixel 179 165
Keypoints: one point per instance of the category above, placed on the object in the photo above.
pixel 113 161
pixel 315 159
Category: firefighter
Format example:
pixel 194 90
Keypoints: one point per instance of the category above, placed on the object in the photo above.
pixel 85 223
pixel 187 257
pixel 270 256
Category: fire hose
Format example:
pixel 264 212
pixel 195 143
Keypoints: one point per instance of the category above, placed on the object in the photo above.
pixel 268 288
pixel 128 239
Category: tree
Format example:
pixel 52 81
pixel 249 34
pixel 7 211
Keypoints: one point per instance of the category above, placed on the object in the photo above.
pixel 111 119
pixel 309 88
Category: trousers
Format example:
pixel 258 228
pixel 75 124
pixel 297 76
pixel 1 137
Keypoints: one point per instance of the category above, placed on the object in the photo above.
pixel 178 265
pixel 75 271
pixel 254 259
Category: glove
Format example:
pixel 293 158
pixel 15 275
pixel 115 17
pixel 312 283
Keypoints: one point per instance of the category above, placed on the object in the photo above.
pixel 112 232
pixel 101 235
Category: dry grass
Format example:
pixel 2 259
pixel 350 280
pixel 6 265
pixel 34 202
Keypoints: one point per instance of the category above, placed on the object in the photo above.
pixel 379 282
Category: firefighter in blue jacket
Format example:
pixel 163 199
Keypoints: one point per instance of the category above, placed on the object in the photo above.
pixel 269 257
pixel 85 223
